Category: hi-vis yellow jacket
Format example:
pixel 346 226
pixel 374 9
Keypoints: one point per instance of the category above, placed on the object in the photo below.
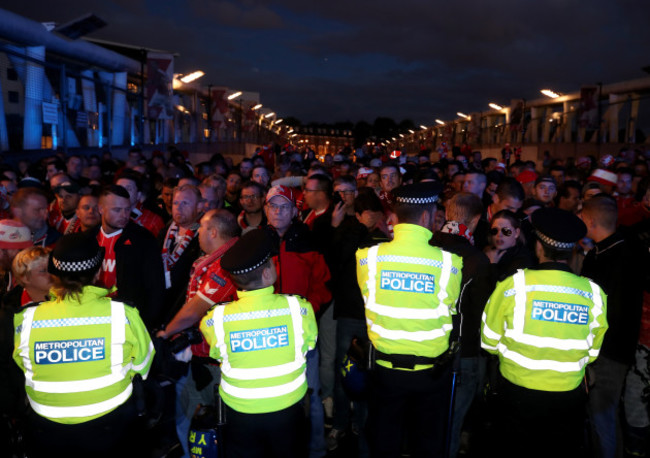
pixel 545 326
pixel 410 289
pixel 80 354
pixel 261 340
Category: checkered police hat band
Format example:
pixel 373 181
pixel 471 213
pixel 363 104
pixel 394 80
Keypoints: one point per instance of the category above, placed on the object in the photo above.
pixel 252 268
pixel 417 200
pixel 554 243
pixel 78 266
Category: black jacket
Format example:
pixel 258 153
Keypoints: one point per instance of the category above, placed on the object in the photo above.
pixel 478 284
pixel 139 272
pixel 481 233
pixel 346 239
pixel 515 258
pixel 322 230
pixel 619 266
pixel 12 379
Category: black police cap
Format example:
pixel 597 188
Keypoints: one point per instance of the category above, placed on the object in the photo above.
pixel 558 228
pixel 248 253
pixel 422 193
pixel 74 255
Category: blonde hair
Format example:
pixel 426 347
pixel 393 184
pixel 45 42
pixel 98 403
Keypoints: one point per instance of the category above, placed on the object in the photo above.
pixel 24 260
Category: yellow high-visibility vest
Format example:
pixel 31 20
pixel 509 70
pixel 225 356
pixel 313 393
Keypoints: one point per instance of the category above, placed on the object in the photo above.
pixel 410 290
pixel 545 326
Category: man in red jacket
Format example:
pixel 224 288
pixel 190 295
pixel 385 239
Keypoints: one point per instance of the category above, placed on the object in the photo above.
pixel 301 270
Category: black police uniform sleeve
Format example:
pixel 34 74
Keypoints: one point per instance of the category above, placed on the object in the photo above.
pixel 12 379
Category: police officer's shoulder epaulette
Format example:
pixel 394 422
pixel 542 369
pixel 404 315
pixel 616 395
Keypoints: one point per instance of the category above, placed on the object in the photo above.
pixel 217 304
pixel 32 304
pixel 295 295
pixel 126 302
pixel 369 243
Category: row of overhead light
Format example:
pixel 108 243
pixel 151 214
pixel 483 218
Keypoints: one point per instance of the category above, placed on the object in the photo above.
pixel 198 74
pixel 237 94
pixel 494 106
pixel 193 76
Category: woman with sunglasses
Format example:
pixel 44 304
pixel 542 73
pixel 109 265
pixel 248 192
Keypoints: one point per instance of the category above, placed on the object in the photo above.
pixel 507 251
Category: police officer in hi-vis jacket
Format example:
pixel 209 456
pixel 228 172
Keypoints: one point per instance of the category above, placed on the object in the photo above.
pixel 80 352
pixel 545 324
pixel 410 289
pixel 261 340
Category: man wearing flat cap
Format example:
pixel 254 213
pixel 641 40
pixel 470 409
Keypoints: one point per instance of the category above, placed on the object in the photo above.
pixel 410 289
pixel 261 340
pixel 545 324
pixel 80 352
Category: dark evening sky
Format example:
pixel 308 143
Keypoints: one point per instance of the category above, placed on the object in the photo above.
pixel 358 59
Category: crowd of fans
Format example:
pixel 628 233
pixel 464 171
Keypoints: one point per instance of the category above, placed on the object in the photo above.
pixel 163 221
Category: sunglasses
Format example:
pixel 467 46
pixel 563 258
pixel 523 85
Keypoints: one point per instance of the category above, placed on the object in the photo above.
pixel 504 230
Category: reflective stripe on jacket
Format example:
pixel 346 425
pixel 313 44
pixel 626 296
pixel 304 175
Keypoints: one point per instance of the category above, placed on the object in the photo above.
pixel 261 340
pixel 79 356
pixel 410 289
pixel 546 326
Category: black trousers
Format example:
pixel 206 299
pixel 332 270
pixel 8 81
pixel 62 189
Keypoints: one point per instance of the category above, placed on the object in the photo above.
pixel 405 400
pixel 276 434
pixel 540 423
pixel 112 435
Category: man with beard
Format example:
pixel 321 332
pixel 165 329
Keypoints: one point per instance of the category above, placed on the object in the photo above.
pixel 251 200
pixel 233 186
pixel 132 182
pixel 180 245
pixel 132 261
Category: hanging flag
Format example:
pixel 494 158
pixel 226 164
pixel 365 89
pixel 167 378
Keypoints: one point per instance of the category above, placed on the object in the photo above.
pixel 517 115
pixel 160 74
pixel 588 110
pixel 220 110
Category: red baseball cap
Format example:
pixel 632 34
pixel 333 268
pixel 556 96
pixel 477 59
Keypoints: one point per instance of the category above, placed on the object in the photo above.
pixel 281 191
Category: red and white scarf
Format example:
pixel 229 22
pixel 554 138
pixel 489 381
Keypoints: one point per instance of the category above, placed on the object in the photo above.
pixel 69 226
pixel 170 258
pixel 456 228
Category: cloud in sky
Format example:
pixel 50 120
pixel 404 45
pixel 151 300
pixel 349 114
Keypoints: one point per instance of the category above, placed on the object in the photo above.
pixel 353 60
